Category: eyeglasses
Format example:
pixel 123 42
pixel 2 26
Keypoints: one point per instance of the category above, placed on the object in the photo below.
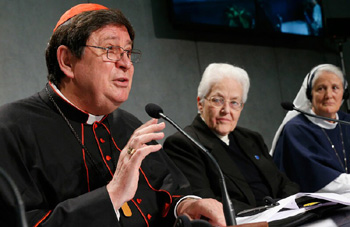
pixel 220 102
pixel 115 53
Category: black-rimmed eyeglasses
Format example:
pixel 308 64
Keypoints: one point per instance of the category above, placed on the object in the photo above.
pixel 115 53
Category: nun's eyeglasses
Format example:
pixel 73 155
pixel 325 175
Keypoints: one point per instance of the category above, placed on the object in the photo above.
pixel 220 102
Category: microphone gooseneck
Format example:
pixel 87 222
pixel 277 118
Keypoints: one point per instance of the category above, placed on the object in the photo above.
pixel 156 111
pixel 290 106
pixel 20 211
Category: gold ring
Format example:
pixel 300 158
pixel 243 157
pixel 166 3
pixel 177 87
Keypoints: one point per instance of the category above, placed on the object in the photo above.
pixel 131 151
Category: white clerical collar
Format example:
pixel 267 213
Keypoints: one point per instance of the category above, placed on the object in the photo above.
pixel 91 118
pixel 322 123
pixel 223 138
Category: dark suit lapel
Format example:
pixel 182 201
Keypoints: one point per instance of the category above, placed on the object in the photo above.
pixel 259 161
pixel 210 141
pixel 247 147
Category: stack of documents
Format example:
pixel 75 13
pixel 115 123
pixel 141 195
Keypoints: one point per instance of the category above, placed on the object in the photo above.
pixel 289 207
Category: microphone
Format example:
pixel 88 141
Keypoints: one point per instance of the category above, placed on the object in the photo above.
pixel 290 106
pixel 184 221
pixel 156 111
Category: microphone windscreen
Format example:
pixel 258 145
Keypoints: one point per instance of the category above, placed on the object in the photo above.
pixel 287 106
pixel 153 110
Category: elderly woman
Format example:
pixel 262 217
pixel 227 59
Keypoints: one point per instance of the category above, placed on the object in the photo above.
pixel 249 171
pixel 312 152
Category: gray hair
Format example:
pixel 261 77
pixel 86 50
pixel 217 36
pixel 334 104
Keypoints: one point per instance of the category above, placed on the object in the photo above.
pixel 318 70
pixel 216 72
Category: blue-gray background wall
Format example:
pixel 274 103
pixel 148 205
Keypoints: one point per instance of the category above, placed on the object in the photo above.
pixel 172 64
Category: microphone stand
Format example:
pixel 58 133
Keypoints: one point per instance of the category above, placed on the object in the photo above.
pixel 321 117
pixel 226 202
pixel 19 202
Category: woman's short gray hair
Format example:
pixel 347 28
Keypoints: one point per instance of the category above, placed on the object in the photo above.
pixel 216 72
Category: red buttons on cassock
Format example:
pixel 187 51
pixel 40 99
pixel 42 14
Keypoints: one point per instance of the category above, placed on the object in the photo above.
pixel 149 216
pixel 138 201
pixel 102 140
pixel 108 157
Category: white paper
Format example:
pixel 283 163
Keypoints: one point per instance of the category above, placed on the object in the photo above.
pixel 275 213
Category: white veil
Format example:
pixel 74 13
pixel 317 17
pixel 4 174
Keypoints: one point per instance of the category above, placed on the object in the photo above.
pixel 303 103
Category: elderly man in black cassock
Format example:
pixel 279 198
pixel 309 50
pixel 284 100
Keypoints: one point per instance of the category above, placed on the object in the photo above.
pixel 76 158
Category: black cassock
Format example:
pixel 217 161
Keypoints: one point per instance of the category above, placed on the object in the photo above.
pixel 63 184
